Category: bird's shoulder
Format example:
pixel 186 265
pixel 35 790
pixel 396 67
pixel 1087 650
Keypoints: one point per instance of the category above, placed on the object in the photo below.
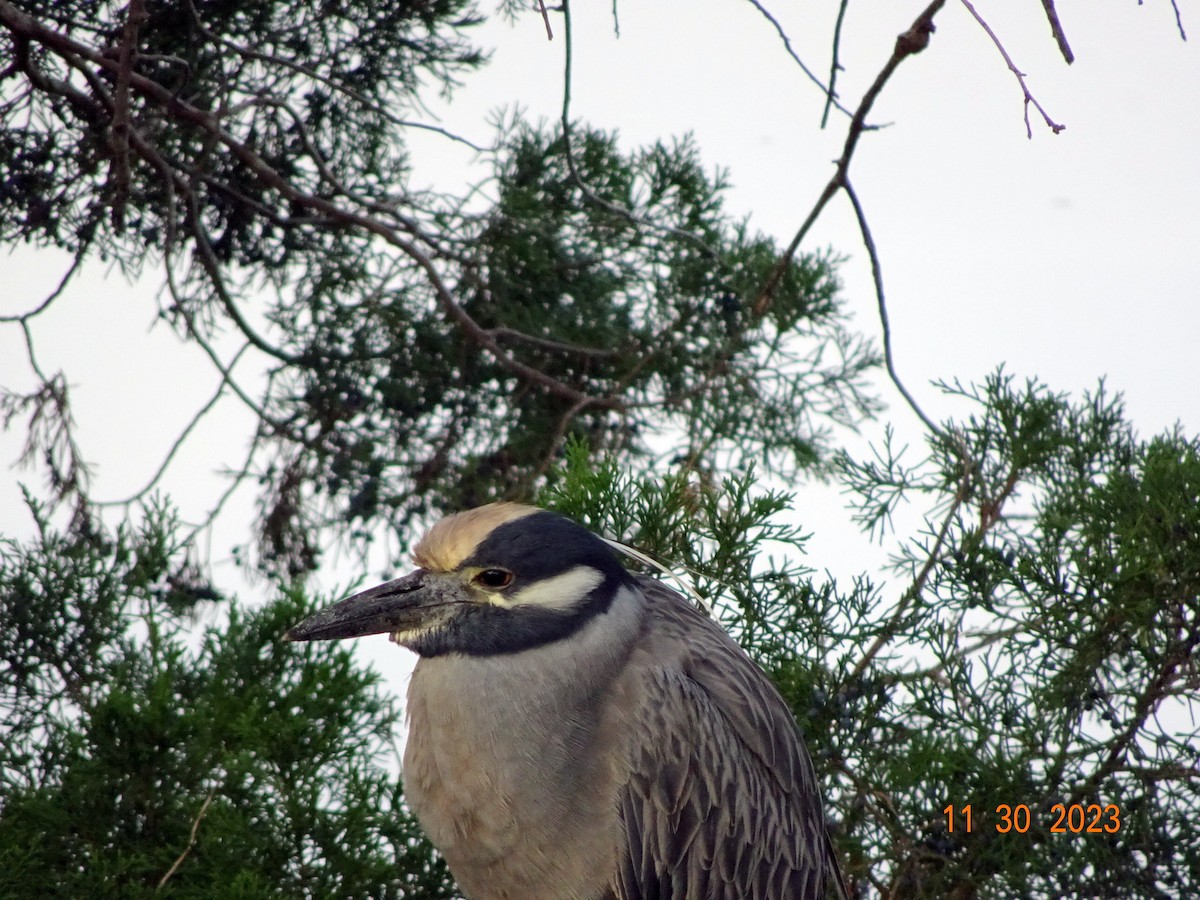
pixel 683 647
pixel 721 799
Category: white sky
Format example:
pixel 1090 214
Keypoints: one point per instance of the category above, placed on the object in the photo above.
pixel 1064 257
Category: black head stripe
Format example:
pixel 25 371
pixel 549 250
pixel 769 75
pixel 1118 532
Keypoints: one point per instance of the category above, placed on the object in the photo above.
pixel 490 631
pixel 543 545
pixel 534 548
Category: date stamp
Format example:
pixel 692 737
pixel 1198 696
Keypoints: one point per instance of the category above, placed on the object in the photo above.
pixel 1074 818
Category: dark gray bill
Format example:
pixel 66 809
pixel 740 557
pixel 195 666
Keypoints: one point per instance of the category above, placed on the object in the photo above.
pixel 393 606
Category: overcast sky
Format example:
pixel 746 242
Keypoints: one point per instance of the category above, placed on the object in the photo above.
pixel 1067 257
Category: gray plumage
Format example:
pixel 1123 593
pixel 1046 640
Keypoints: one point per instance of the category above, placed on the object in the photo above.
pixel 622 746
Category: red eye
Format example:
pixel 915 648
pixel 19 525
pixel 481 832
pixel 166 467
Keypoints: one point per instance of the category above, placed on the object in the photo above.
pixel 494 579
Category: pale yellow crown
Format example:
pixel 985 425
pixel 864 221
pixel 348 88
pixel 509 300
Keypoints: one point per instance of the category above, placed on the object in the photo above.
pixel 454 538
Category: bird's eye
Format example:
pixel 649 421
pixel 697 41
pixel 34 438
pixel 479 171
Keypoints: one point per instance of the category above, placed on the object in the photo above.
pixel 494 579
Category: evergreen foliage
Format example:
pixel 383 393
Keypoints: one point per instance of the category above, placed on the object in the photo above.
pixel 424 352
pixel 1044 652
pixel 584 327
pixel 140 757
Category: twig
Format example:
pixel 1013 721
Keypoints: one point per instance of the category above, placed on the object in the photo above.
pixel 912 41
pixel 588 193
pixel 834 65
pixel 1056 28
pixel 1178 20
pixel 237 478
pixel 1029 98
pixel 541 5
pixel 53 295
pixel 183 435
pixel 547 344
pixel 877 276
pixel 559 433
pixel 826 89
pixel 135 15
pixel 936 672
pixel 212 267
pixel 191 841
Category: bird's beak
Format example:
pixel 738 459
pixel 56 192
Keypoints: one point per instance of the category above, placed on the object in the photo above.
pixel 395 606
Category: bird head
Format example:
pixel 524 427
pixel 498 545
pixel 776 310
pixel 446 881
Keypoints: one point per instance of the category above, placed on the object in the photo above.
pixel 498 579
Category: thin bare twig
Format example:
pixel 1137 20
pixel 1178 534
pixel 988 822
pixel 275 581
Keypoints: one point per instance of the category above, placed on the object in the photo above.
pixel 179 441
pixel 826 89
pixel 53 295
pixel 834 65
pixel 912 41
pixel 547 344
pixel 588 193
pixel 118 134
pixel 560 432
pixel 541 5
pixel 1029 98
pixel 1178 20
pixel 208 261
pixel 237 478
pixel 1060 36
pixel 191 841
pixel 877 277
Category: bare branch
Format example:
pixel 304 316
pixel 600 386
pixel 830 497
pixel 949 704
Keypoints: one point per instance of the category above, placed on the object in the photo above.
pixel 238 477
pixel 53 295
pixel 1056 28
pixel 190 844
pixel 834 65
pixel 183 436
pixel 912 41
pixel 1178 19
pixel 118 134
pixel 208 261
pixel 547 344
pixel 885 325
pixel 1029 98
pixel 826 89
pixel 541 5
pixel 560 432
pixel 587 192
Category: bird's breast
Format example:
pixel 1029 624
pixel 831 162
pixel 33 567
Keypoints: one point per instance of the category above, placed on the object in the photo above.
pixel 514 762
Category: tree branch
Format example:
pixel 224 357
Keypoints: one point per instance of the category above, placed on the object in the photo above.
pixel 826 89
pixel 912 41
pixel 573 168
pixel 834 65
pixel 877 278
pixel 1029 98
pixel 1060 36
pixel 135 16
pixel 190 844
pixel 26 27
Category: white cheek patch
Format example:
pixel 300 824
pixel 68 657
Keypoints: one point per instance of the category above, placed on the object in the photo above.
pixel 560 592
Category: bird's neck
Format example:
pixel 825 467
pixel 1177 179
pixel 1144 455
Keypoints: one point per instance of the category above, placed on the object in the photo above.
pixel 470 697
pixel 477 763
